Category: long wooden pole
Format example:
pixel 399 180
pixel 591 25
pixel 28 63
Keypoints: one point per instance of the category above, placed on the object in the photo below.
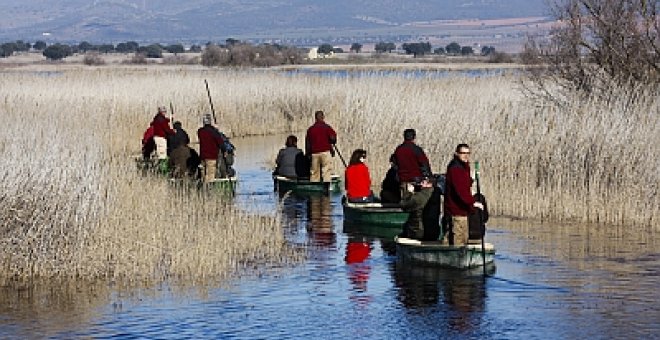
pixel 481 218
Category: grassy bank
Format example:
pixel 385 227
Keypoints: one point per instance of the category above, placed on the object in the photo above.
pixel 74 206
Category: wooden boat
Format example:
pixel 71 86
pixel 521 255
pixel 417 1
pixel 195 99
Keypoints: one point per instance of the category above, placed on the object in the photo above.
pixel 299 185
pixel 385 215
pixel 437 254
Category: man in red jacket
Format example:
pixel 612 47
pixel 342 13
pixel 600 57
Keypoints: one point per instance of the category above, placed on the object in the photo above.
pixel 211 142
pixel 161 131
pixel 411 162
pixel 459 202
pixel 319 141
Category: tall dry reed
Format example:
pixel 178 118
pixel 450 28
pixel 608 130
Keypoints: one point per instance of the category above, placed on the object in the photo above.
pixel 73 206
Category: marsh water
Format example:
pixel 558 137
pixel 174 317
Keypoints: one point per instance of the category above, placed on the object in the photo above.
pixel 549 281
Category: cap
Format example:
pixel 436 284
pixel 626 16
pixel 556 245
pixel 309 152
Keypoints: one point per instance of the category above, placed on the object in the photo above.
pixel 206 120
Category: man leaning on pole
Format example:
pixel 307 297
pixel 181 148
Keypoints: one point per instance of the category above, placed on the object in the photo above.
pixel 319 143
pixel 459 202
pixel 211 142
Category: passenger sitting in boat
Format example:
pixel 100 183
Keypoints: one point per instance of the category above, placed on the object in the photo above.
pixel 289 158
pixel 179 138
pixel 390 188
pixel 184 161
pixel 358 181
pixel 421 193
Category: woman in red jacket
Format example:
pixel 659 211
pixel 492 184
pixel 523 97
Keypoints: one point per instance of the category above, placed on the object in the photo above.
pixel 358 181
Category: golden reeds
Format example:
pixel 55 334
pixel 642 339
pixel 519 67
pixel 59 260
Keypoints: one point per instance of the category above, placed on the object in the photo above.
pixel 72 204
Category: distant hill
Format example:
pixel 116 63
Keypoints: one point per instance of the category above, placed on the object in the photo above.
pixel 201 20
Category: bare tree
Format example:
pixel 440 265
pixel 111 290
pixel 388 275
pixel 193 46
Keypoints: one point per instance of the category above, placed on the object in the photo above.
pixel 597 45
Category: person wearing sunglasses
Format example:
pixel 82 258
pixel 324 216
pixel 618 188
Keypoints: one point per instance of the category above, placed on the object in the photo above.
pixel 459 202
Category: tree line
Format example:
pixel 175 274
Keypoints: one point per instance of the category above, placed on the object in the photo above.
pixel 230 52
pixel 416 49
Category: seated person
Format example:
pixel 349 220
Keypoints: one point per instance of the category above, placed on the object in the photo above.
pixel 390 188
pixel 286 163
pixel 226 159
pixel 358 181
pixel 416 203
pixel 184 161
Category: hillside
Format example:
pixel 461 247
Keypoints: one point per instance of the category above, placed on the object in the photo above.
pixel 199 20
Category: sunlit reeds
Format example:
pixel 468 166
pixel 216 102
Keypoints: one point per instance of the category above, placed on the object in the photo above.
pixel 73 205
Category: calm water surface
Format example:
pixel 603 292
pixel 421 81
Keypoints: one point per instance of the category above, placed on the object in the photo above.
pixel 561 282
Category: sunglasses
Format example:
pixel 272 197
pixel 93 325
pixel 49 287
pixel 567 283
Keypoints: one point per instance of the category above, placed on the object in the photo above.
pixel 464 153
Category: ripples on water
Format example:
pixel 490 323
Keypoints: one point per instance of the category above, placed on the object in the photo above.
pixel 549 282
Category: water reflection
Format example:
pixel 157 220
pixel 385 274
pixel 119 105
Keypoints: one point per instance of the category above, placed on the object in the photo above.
pixel 358 250
pixel 319 221
pixel 460 294
pixel 42 309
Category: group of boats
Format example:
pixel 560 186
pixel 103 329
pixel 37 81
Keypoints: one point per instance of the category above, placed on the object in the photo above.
pixel 386 220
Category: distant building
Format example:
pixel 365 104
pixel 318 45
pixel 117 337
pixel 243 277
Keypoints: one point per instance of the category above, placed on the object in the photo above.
pixel 313 53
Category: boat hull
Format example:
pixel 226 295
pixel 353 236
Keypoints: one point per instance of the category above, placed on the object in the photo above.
pixel 436 254
pixel 284 184
pixel 387 216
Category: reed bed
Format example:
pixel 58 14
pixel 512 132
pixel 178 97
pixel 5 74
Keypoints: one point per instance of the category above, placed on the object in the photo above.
pixel 74 206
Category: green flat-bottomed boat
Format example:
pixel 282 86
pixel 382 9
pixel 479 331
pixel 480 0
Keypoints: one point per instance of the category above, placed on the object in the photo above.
pixel 383 220
pixel 299 185
pixel 437 254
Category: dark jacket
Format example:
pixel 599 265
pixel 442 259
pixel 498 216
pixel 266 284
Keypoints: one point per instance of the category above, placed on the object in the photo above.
pixel 179 138
pixel 320 138
pixel 458 196
pixel 415 203
pixel 286 161
pixel 211 142
pixel 411 162
pixel 476 228
pixel 390 190
pixel 431 215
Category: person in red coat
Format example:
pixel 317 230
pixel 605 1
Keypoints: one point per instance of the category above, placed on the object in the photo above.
pixel 211 143
pixel 161 132
pixel 459 202
pixel 411 162
pixel 319 143
pixel 357 178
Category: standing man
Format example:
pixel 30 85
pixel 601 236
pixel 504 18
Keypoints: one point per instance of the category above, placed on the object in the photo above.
pixel 459 203
pixel 161 131
pixel 211 142
pixel 319 141
pixel 411 161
